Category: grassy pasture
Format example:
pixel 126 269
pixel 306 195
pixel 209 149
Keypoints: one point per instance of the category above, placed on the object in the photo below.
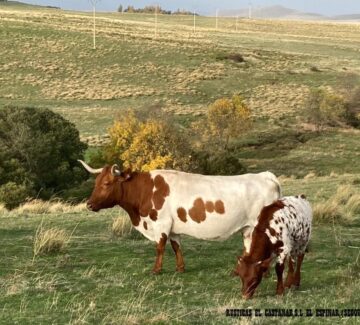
pixel 47 60
pixel 103 280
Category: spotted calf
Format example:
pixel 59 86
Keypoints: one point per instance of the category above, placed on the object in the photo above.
pixel 283 230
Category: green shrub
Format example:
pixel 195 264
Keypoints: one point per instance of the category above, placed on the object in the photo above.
pixel 12 194
pixel 324 108
pixel 39 148
pixel 222 163
pixel 353 116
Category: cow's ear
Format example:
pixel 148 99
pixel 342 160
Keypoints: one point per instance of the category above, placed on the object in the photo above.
pixel 126 175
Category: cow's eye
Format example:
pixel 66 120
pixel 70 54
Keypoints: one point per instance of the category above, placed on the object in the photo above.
pixel 106 183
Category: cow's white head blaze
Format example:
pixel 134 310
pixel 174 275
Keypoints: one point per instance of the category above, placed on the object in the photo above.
pixel 107 190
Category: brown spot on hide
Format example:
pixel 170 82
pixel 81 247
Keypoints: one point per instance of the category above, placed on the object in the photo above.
pixel 181 212
pixel 197 212
pixel 272 232
pixel 153 215
pixel 145 225
pixel 219 207
pixel 136 196
pixel 139 198
pixel 210 207
pixel 161 192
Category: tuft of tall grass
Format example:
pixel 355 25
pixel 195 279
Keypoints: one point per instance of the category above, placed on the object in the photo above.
pixel 48 241
pixel 47 207
pixel 3 210
pixel 343 206
pixel 121 226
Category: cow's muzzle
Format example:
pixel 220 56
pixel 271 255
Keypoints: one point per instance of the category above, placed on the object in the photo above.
pixel 92 207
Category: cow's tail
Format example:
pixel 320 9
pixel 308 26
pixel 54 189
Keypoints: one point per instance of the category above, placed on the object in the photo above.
pixel 271 177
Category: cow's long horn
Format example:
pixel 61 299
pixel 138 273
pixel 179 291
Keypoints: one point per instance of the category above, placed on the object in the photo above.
pixel 115 170
pixel 89 169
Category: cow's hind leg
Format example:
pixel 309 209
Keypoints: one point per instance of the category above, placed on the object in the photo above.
pixel 175 244
pixel 160 249
pixel 290 276
pixel 298 268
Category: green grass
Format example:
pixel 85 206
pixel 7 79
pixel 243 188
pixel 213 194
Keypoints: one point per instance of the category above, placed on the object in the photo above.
pixel 296 153
pixel 100 280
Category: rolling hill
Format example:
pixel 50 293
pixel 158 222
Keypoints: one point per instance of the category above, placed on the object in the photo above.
pixel 281 12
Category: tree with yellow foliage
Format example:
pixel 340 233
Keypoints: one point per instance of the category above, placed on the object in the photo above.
pixel 227 119
pixel 148 145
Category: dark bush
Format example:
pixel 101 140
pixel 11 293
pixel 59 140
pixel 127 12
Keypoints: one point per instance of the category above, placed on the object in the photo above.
pixel 12 194
pixel 222 163
pixel 39 149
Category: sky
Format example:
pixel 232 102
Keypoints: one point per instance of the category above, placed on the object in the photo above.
pixel 324 7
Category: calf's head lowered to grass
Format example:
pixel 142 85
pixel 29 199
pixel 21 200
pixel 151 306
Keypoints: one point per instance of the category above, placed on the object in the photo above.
pixel 251 273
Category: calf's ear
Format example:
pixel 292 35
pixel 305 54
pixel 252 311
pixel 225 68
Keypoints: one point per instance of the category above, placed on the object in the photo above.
pixel 265 264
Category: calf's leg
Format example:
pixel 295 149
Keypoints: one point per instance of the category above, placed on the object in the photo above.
pixel 290 276
pixel 160 249
pixel 279 268
pixel 175 244
pixel 298 268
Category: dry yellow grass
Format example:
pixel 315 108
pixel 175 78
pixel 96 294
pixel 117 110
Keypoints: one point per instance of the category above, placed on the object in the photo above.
pixel 343 206
pixel 46 207
pixel 52 240
pixel 121 226
pixel 3 210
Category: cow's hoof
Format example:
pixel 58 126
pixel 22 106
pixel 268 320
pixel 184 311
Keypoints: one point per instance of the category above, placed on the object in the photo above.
pixel 180 270
pixel 155 272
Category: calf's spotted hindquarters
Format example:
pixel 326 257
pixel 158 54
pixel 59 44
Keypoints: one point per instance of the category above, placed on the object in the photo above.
pixel 283 231
pixel 164 204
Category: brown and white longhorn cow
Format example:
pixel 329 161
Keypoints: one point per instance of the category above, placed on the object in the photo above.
pixel 164 204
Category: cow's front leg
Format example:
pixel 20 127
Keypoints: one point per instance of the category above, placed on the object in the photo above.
pixel 247 239
pixel 279 267
pixel 160 249
pixel 175 244
pixel 247 243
